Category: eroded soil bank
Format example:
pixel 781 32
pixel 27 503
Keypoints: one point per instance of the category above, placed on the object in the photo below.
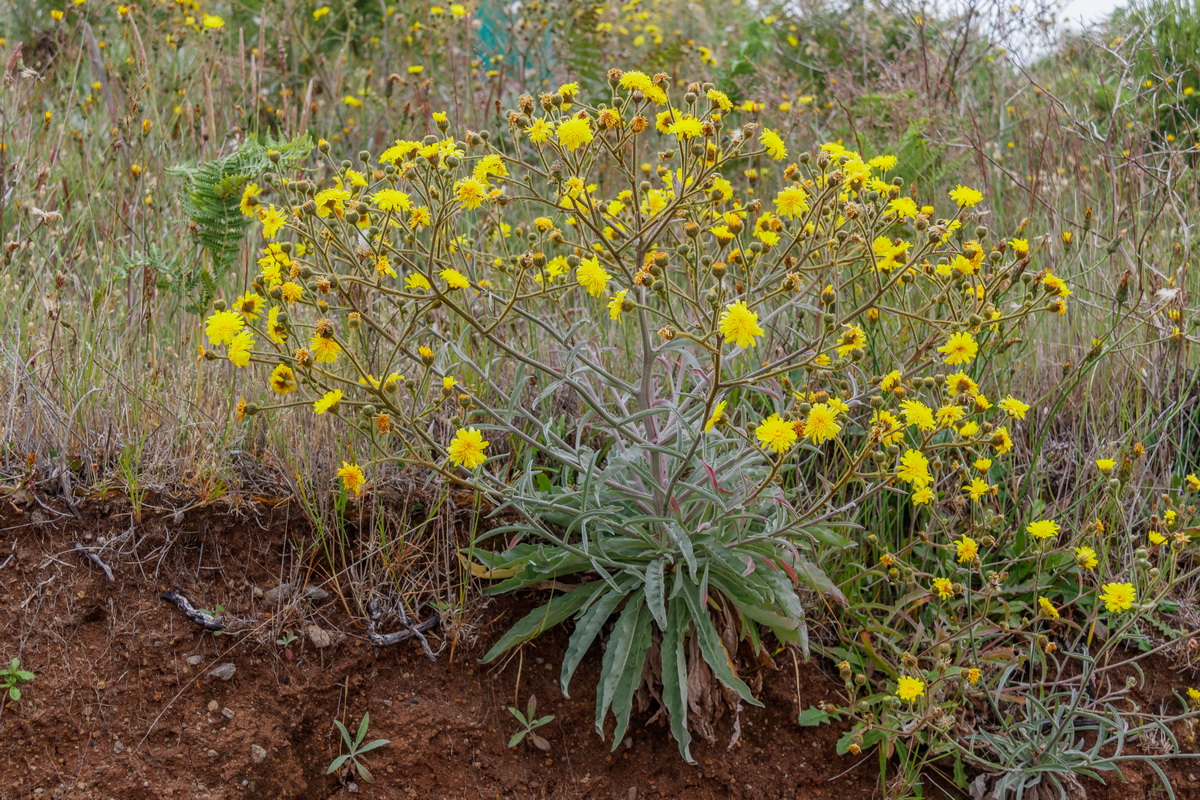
pixel 125 704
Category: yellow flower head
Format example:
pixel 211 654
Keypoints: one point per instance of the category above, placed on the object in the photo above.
pixel 283 380
pixel 774 145
pixel 821 424
pixel 717 415
pixel 776 433
pixel 575 132
pixel 352 477
pixel 960 349
pixel 909 689
pixel 454 279
pixel 965 196
pixel 466 448
pixel 1086 557
pixel 1118 597
pixel 593 277
pixel 1042 529
pixel 222 326
pixel 739 325
pixel 914 469
pixel 327 401
pixel 967 549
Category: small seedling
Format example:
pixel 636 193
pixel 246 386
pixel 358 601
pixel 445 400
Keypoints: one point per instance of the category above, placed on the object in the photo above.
pixel 12 678
pixel 287 638
pixel 356 749
pixel 529 725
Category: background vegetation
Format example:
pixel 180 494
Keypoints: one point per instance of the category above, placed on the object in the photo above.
pixel 128 132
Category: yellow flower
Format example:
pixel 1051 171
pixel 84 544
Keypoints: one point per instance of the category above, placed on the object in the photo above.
pixel 249 305
pixel 1086 557
pixel 539 132
pixel 821 424
pixel 283 380
pixel 903 207
pixel 592 276
pixel 948 415
pixel 239 349
pixel 960 349
pixel 213 22
pixel 918 414
pixel 774 145
pixel 1047 608
pixel 454 279
pixel 616 305
pixel 466 448
pixel 791 202
pixel 717 415
pixel 909 689
pixel 331 201
pixel 1014 407
pixel 965 196
pixel 469 193
pixel 1042 529
pixel 325 349
pixel 272 220
pixel 942 587
pixel 914 469
pixel 574 132
pixel 977 488
pixel 249 193
pixel 852 339
pixel 1001 441
pixel 416 280
pixel 328 401
pixel 1155 537
pixel 1105 465
pixel 222 326
pixel 1118 597
pixel 923 496
pixel 967 549
pixel 739 325
pixel 352 477
pixel 1193 483
pixel 973 675
pixel 391 200
pixel 776 433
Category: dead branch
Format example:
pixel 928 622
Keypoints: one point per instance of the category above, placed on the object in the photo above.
pixel 410 631
pixel 95 559
pixel 204 619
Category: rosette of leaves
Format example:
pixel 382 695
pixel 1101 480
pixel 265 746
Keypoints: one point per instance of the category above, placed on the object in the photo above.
pixel 708 578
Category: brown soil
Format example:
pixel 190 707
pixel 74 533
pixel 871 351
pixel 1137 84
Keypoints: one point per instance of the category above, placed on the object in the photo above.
pixel 117 710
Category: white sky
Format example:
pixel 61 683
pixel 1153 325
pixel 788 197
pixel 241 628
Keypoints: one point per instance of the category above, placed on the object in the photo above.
pixel 1088 11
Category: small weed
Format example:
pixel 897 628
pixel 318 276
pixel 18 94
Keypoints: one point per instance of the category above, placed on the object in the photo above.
pixel 11 679
pixel 529 724
pixel 356 749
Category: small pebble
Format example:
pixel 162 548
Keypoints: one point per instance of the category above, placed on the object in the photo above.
pixel 213 705
pixel 195 661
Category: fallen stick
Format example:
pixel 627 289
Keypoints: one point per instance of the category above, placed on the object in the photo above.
pixel 202 618
pixel 95 559
pixel 410 631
